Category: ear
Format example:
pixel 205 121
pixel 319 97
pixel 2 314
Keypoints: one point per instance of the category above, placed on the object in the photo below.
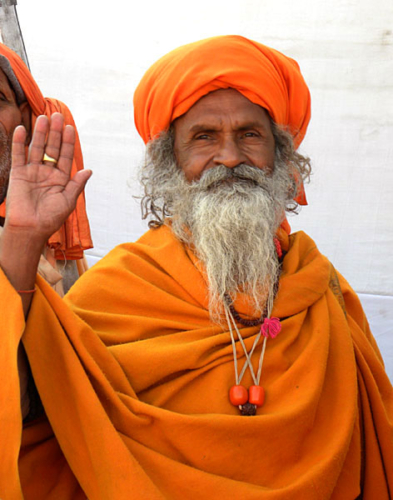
pixel 25 112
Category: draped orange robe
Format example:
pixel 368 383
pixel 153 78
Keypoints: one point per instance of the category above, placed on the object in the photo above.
pixel 134 378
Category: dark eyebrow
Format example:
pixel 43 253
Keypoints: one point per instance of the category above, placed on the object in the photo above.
pixel 248 125
pixel 200 127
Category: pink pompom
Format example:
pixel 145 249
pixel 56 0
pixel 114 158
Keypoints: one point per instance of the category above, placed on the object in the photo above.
pixel 271 327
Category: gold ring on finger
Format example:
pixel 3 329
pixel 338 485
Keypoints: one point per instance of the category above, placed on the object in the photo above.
pixel 49 159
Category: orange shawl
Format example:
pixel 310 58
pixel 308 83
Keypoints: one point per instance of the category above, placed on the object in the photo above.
pixel 135 381
pixel 74 236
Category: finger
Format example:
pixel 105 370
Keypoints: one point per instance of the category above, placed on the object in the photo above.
pixel 53 142
pixel 18 147
pixel 76 185
pixel 67 150
pixel 37 145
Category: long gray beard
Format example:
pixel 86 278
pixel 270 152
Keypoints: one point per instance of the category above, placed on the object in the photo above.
pixel 5 164
pixel 230 217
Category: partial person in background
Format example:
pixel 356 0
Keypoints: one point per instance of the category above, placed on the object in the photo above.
pixel 219 356
pixel 21 102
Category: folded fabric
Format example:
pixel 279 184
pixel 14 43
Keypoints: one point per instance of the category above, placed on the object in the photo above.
pixel 134 379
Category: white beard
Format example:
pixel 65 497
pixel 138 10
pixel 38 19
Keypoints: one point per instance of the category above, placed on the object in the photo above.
pixel 230 217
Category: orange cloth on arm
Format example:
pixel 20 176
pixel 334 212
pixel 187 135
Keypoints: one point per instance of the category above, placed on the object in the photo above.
pixel 263 75
pixel 142 409
pixel 74 236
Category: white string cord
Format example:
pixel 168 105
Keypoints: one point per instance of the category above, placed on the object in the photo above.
pixel 231 321
pixel 233 346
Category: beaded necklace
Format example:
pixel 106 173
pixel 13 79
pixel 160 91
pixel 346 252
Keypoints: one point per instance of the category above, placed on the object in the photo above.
pixel 249 400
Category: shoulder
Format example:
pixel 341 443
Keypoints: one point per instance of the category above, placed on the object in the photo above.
pixel 302 254
pixel 152 246
pixel 150 278
pixel 157 260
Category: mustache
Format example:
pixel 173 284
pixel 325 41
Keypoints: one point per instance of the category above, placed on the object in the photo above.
pixel 246 174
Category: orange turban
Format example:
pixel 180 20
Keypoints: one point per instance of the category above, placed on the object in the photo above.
pixel 263 75
pixel 74 236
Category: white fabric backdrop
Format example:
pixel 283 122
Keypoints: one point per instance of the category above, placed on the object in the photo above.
pixel 92 54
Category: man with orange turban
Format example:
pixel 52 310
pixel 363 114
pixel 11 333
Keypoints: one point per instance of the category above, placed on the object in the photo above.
pixel 23 102
pixel 219 356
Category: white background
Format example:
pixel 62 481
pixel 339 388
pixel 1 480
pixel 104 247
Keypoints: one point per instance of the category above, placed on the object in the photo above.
pixel 91 54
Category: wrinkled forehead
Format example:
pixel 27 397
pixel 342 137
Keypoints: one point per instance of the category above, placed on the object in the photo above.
pixel 5 66
pixel 229 102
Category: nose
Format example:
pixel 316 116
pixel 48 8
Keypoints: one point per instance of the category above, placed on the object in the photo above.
pixel 228 153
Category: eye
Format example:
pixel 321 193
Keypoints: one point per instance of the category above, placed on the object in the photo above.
pixel 250 134
pixel 202 137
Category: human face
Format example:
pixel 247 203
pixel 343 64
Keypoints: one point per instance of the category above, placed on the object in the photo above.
pixel 11 115
pixel 223 128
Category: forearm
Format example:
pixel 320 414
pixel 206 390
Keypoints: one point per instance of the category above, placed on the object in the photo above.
pixel 19 257
pixel 40 197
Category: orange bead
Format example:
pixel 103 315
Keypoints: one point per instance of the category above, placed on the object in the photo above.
pixel 238 395
pixel 256 395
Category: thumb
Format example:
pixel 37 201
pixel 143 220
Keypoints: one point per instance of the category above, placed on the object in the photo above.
pixel 77 184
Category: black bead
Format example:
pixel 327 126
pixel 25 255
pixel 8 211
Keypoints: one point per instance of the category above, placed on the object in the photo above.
pixel 248 409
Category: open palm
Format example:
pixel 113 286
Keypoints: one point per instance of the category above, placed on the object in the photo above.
pixel 41 194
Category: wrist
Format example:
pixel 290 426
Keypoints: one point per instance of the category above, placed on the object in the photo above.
pixel 22 239
pixel 20 254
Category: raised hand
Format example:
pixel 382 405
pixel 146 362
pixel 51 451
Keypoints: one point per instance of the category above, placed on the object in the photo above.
pixel 40 197
pixel 41 194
